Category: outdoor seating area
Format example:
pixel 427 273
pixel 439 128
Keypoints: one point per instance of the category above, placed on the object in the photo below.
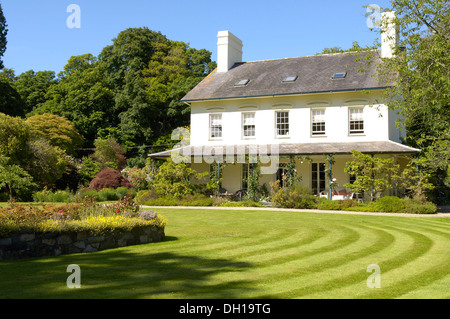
pixel 338 194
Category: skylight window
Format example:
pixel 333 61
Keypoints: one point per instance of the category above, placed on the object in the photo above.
pixel 242 82
pixel 290 79
pixel 340 75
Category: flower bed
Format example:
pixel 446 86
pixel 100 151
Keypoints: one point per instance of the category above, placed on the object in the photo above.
pixel 34 231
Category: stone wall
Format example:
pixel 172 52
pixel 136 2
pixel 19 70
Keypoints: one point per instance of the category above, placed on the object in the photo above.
pixel 26 245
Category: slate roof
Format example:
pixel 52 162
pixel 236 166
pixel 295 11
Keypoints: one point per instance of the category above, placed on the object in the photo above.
pixel 314 76
pixel 381 147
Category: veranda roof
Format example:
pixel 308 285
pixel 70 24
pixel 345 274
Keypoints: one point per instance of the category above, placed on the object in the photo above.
pixel 380 147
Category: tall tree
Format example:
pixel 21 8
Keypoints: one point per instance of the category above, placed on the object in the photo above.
pixel 33 87
pixel 58 130
pixel 421 66
pixel 11 102
pixel 81 97
pixel 3 32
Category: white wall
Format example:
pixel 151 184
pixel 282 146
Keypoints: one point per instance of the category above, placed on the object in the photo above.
pixel 379 122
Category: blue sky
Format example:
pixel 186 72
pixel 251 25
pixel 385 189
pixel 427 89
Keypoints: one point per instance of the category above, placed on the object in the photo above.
pixel 39 39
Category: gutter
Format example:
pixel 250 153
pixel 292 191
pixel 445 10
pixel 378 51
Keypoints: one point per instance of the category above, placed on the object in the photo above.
pixel 283 94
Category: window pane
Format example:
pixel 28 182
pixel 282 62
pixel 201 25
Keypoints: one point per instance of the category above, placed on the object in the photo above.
pixel 215 126
pixel 282 123
pixel 318 122
pixel 356 121
pixel 249 127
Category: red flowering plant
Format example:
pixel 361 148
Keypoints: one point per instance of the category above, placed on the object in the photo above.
pixel 126 206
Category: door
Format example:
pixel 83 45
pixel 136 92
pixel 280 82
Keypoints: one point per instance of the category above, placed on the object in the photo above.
pixel 318 178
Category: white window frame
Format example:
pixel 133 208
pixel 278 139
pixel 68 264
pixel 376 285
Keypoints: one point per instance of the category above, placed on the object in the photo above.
pixel 323 120
pixel 251 123
pixel 287 135
pixel 351 119
pixel 213 127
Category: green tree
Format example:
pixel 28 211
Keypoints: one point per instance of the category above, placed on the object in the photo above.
pixel 82 97
pixel 373 174
pixel 58 130
pixel 177 180
pixel 3 32
pixel 11 102
pixel 109 154
pixel 14 137
pixel 149 74
pixel 421 70
pixel 33 87
pixel 14 178
pixel 47 163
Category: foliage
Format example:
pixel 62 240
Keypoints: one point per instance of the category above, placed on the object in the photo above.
pixel 88 169
pixel 145 195
pixel 355 48
pixel 58 130
pixel 188 200
pixel 10 101
pixel 215 177
pixel 389 204
pixel 130 92
pixel 421 70
pixel 109 178
pixel 294 196
pixel 32 88
pixel 93 218
pixel 327 204
pixel 253 188
pixel 109 154
pixel 82 96
pixel 14 137
pixel 244 203
pixel 373 174
pixel 178 180
pixel 59 196
pixel 47 163
pixel 14 178
pixel 141 178
pixel 3 32
pixel 413 206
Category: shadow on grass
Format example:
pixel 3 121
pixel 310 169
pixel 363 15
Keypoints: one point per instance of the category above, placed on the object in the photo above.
pixel 132 272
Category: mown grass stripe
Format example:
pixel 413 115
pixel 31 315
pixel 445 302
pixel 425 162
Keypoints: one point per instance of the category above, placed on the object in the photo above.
pixel 295 240
pixel 350 236
pixel 211 255
pixel 383 240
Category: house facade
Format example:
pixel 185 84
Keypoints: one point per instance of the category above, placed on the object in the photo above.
pixel 298 110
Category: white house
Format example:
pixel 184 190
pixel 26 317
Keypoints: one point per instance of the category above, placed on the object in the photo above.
pixel 295 108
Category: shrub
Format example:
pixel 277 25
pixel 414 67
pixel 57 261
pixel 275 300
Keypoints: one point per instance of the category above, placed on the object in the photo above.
pixel 390 204
pixel 190 200
pixel 326 204
pixel 144 196
pixel 107 194
pixel 292 197
pixel 246 203
pixel 109 178
pixel 177 180
pixel 123 191
pixel 54 197
pixel 95 218
pixel 86 193
pixel 99 225
pixel 413 206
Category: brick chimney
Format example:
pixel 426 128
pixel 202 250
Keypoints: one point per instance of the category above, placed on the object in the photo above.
pixel 229 50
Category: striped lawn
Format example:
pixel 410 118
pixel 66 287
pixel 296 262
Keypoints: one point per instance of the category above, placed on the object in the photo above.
pixel 255 254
